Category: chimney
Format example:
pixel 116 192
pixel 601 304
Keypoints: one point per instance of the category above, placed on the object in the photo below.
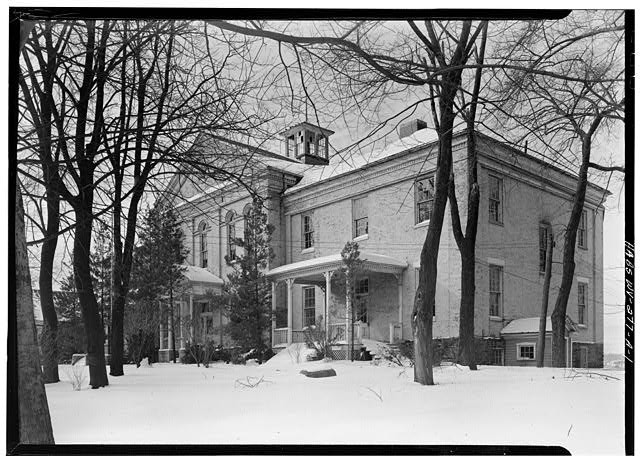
pixel 411 126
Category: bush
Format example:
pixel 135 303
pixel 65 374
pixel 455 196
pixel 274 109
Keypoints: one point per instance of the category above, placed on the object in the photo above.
pixel 71 340
pixel 199 353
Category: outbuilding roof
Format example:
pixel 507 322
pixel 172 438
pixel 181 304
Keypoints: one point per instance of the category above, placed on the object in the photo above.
pixel 532 325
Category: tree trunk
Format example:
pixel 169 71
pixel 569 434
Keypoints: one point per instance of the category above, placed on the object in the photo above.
pixel 422 321
pixel 348 316
pixel 568 263
pixel 47 255
pixel 34 421
pixel 542 333
pixel 88 303
pixel 466 346
pixel 117 333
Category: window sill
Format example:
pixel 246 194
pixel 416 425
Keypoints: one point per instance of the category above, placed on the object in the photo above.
pixel 495 318
pixel 582 325
pixel 307 250
pixel 582 248
pixel 421 224
pixel 523 359
pixel 361 238
pixel 496 223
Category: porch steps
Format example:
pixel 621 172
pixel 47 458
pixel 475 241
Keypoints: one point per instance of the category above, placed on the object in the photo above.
pixel 379 349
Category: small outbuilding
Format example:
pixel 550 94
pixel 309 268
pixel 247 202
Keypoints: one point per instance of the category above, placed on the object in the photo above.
pixel 520 341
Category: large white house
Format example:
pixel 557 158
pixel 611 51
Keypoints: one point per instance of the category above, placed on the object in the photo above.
pixel 382 200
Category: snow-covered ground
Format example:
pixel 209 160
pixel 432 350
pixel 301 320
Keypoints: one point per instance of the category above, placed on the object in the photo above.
pixel 363 404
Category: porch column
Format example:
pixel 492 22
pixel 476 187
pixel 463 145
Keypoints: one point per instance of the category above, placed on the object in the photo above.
pixel 327 301
pixel 160 333
pixel 274 286
pixel 192 331
pixel 290 310
pixel 400 313
pixel 181 323
pixel 170 331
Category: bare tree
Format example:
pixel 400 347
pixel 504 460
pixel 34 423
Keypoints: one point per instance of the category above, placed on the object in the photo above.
pixel 34 421
pixel 130 102
pixel 566 115
pixel 466 240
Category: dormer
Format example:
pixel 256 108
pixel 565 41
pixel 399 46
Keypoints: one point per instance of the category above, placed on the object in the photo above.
pixel 307 143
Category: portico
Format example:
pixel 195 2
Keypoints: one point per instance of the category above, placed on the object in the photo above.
pixel 385 324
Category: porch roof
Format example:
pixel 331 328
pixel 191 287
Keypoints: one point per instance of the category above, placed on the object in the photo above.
pixel 532 325
pixel 315 266
pixel 200 275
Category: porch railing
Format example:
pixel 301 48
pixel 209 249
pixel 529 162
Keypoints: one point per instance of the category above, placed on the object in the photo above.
pixel 280 336
pixel 298 336
pixel 338 332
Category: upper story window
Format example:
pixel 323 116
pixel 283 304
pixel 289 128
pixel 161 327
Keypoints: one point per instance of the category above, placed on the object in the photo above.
pixel 231 236
pixel 543 235
pixel 495 290
pixel 309 303
pixel 424 196
pixel 495 199
pixel 360 217
pixel 246 212
pixel 582 230
pixel 582 303
pixel 307 231
pixel 204 250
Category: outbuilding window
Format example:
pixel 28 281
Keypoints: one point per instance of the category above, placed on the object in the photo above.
pixel 526 351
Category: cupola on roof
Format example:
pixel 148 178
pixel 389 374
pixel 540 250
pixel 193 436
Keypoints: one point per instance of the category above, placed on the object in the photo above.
pixel 308 143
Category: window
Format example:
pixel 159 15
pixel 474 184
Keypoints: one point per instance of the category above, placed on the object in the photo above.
pixel 307 232
pixel 582 230
pixel 543 235
pixel 582 303
pixel 311 144
pixel 495 291
pixel 360 217
pixel 526 351
pixel 425 194
pixel 204 251
pixel 300 144
pixel 495 200
pixel 291 146
pixel 246 212
pixel 309 299
pixel 362 294
pixel 322 146
pixel 231 237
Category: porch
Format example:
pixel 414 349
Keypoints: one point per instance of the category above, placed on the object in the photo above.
pixel 191 318
pixel 378 313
